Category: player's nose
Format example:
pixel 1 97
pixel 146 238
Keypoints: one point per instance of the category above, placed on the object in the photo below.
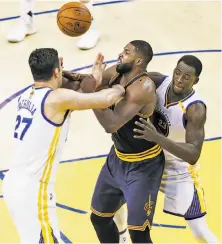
pixel 179 79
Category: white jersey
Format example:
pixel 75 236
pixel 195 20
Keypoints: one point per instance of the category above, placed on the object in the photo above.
pixel 171 121
pixel 39 141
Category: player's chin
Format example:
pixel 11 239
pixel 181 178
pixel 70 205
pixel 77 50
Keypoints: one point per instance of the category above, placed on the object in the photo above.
pixel 177 90
pixel 119 66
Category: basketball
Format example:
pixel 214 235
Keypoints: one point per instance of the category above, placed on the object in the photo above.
pixel 74 19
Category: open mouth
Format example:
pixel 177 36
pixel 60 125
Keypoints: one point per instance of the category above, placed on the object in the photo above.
pixel 119 61
pixel 177 89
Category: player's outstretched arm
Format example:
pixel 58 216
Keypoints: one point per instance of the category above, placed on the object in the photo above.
pixel 77 81
pixel 80 82
pixel 64 99
pixel 190 150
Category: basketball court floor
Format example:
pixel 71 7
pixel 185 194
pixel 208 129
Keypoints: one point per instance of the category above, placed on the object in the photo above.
pixel 172 28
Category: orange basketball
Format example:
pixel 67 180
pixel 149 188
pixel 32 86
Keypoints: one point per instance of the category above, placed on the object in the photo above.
pixel 74 19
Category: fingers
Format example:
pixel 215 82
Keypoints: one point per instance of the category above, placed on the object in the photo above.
pixel 99 59
pixel 140 125
pixel 138 137
pixel 144 121
pixel 104 67
pixel 148 124
pixel 66 74
pixel 75 76
pixel 138 131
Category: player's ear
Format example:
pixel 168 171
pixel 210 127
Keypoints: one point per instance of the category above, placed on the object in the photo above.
pixel 196 80
pixel 56 72
pixel 139 61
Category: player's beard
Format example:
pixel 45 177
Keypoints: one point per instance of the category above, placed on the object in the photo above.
pixel 124 68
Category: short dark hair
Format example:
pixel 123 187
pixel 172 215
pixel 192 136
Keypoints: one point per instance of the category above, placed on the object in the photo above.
pixel 192 61
pixel 42 62
pixel 144 49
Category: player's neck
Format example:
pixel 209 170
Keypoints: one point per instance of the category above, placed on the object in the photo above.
pixel 130 75
pixel 174 97
pixel 49 84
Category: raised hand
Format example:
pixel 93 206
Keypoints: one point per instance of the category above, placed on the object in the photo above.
pixel 98 68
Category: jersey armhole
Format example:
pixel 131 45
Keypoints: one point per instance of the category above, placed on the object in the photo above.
pixel 43 113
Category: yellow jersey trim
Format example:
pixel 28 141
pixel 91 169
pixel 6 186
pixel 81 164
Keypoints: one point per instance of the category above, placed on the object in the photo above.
pixel 142 227
pixel 137 157
pixel 167 105
pixel 43 215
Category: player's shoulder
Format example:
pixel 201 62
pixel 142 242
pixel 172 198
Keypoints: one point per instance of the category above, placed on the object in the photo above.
pixel 57 96
pixel 195 103
pixel 142 90
pixel 146 84
pixel 197 111
pixel 196 107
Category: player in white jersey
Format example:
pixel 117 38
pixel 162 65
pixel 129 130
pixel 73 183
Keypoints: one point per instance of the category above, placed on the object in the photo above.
pixel 41 128
pixel 179 119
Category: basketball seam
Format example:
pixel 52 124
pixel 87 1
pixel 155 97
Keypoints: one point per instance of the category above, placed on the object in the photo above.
pixel 65 27
pixel 73 7
pixel 74 19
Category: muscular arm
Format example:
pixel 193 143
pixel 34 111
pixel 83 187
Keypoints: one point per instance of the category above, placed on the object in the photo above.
pixel 64 99
pixel 128 107
pixel 81 83
pixel 190 150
